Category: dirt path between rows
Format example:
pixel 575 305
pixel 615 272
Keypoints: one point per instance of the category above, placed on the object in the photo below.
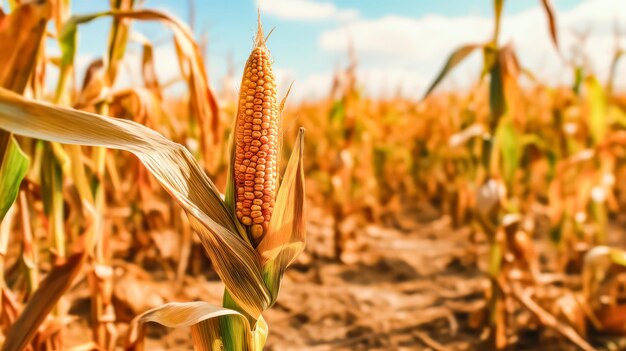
pixel 416 288
pixel 407 289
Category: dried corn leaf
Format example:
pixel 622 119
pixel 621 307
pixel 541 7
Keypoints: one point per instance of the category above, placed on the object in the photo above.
pixel 148 70
pixel 188 314
pixel 20 37
pixel 203 102
pixel 286 234
pixel 236 262
pixel 455 58
pixel 41 303
pixel 547 7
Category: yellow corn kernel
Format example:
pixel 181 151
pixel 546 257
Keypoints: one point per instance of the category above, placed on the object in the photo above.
pixel 256 142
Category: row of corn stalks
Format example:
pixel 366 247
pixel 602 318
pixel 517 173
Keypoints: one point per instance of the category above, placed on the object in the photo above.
pixel 519 165
pixel 61 202
pixel 523 165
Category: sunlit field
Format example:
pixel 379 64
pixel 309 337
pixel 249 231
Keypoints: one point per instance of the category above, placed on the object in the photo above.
pixel 237 204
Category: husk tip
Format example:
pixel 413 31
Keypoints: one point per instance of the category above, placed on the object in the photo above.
pixel 259 40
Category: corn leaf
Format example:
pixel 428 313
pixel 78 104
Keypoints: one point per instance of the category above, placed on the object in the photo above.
pixel 67 43
pixel 578 79
pixel 286 233
pixel 206 335
pixel 613 69
pixel 236 262
pixel 210 334
pixel 118 37
pixel 41 303
pixel 597 116
pixel 497 14
pixel 148 70
pixel 187 314
pixel 60 13
pixel 20 37
pixel 455 58
pixel 232 328
pixel 497 99
pixel 510 148
pixel 203 101
pixel 13 169
pixel 52 194
pixel 547 7
pixel 490 55
pixel 259 334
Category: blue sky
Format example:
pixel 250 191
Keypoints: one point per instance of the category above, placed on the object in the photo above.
pixel 231 24
pixel 398 42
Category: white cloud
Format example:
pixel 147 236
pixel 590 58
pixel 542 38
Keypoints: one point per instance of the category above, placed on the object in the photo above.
pixel 374 81
pixel 408 52
pixel 311 87
pixel 306 10
pixel 165 65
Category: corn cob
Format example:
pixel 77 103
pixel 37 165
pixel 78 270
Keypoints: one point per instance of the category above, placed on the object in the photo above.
pixel 256 142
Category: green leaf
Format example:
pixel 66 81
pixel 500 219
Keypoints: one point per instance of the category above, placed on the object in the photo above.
pixel 337 113
pixel 12 170
pixel 556 233
pixel 578 79
pixel 52 194
pixel 497 100
pixel 68 37
pixel 617 115
pixel 118 37
pixel 67 43
pixel 259 335
pixel 455 58
pixel 510 150
pixel 380 158
pixel 533 139
pixel 495 259
pixel 552 158
pixel 618 256
pixel 596 100
pixel 490 55
pixel 232 329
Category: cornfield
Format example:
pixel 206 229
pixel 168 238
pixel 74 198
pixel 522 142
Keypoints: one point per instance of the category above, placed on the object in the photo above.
pixel 137 216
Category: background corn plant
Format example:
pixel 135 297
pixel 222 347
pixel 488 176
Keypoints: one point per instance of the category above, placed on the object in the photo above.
pixel 251 273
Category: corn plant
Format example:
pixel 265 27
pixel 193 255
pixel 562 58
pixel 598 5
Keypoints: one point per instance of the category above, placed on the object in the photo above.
pixel 501 155
pixel 249 255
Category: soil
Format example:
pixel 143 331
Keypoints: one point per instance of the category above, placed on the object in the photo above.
pixel 419 287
